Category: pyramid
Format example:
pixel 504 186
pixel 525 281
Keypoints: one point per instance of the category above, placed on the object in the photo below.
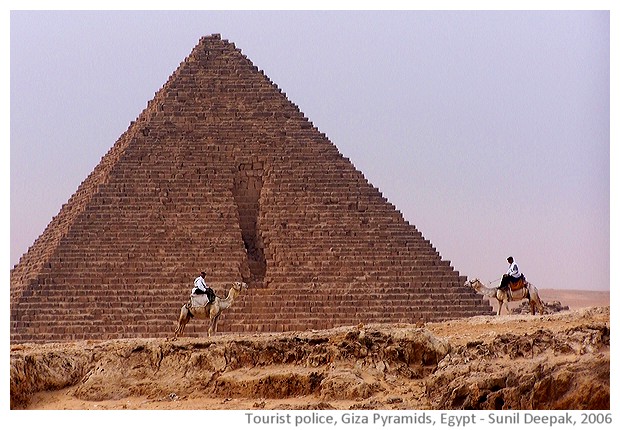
pixel 222 173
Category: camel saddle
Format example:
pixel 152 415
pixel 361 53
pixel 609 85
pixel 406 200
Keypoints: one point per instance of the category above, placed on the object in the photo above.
pixel 520 283
pixel 198 300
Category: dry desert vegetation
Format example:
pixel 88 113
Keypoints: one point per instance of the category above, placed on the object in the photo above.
pixel 560 360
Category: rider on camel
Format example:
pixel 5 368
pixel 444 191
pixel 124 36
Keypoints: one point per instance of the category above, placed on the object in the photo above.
pixel 201 287
pixel 512 275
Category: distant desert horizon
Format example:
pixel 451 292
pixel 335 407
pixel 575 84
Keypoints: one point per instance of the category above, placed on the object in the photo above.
pixel 574 299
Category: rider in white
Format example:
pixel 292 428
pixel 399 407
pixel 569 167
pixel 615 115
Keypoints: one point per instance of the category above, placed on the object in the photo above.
pixel 200 286
pixel 512 274
pixel 513 269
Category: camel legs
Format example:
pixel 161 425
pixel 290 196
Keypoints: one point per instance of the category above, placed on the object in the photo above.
pixel 185 317
pixel 535 301
pixel 183 320
pixel 508 311
pixel 503 303
pixel 213 324
pixel 537 304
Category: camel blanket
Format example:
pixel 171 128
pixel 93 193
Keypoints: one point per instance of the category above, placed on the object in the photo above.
pixel 514 286
pixel 198 300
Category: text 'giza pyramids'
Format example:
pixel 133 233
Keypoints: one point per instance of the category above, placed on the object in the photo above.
pixel 222 173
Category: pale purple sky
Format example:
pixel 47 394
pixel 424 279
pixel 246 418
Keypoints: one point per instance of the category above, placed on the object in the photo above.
pixel 489 131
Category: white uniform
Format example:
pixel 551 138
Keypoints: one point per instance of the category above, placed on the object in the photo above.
pixel 513 270
pixel 199 283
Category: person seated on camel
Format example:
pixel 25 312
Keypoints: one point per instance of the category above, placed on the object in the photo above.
pixel 512 275
pixel 201 287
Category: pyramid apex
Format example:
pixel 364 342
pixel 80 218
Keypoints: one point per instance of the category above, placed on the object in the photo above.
pixel 213 44
pixel 205 41
pixel 213 36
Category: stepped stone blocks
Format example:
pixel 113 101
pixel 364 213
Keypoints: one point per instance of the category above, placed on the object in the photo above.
pixel 222 173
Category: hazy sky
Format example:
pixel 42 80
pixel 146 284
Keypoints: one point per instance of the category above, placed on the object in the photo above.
pixel 488 130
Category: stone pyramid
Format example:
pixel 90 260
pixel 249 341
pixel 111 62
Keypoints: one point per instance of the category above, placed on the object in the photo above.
pixel 222 173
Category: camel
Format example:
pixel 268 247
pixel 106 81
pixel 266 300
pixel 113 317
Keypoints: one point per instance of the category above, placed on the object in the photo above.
pixel 211 311
pixel 527 291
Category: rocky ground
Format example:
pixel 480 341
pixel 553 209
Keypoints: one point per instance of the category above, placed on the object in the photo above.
pixel 555 361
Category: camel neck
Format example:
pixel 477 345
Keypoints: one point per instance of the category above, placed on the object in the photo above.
pixel 232 293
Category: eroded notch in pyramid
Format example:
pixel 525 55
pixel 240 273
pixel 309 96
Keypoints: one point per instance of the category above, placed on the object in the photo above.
pixel 247 187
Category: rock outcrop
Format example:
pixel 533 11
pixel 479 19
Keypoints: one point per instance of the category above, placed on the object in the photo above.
pixel 559 361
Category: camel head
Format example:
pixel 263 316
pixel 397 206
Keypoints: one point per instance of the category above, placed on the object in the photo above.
pixel 474 283
pixel 239 285
pixel 480 288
